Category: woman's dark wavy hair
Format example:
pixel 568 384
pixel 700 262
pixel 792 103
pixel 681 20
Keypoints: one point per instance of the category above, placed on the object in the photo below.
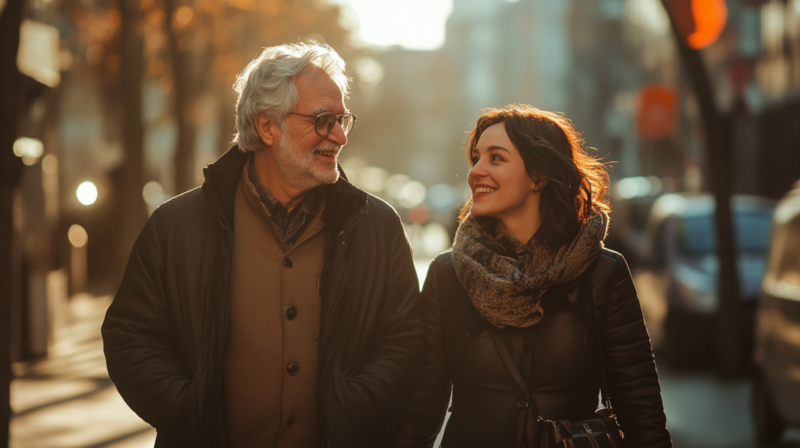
pixel 552 150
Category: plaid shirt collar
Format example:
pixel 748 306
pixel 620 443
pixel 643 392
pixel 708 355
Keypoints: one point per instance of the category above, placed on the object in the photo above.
pixel 290 223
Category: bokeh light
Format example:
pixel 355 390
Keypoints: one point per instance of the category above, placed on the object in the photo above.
pixel 412 194
pixel 632 187
pixel 87 193
pixel 29 149
pixel 396 183
pixel 77 236
pixel 442 196
pixel 153 194
pixel 373 179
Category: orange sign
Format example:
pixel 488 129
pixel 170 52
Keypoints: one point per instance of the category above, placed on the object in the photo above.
pixel 658 112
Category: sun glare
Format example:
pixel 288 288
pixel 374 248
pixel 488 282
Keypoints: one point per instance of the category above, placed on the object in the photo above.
pixel 412 24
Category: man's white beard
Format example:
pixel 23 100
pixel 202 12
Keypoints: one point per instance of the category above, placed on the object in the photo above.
pixel 298 166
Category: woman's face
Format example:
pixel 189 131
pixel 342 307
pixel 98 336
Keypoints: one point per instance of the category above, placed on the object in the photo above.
pixel 501 187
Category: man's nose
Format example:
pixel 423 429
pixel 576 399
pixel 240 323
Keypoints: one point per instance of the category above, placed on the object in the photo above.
pixel 337 135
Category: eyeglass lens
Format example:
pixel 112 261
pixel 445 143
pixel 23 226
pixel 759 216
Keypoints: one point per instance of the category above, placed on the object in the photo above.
pixel 327 120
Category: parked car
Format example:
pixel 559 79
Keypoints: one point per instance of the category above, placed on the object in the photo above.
pixel 776 396
pixel 631 200
pixel 678 277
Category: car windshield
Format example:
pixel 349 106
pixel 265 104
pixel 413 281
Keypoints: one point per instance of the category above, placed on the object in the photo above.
pixel 752 233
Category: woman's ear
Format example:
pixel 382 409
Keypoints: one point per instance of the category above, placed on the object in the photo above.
pixel 538 184
pixel 265 129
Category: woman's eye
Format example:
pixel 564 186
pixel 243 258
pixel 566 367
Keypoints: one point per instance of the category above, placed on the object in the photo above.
pixel 474 160
pixel 498 158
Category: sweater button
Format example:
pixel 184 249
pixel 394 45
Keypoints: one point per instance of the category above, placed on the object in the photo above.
pixel 522 405
pixel 287 262
pixel 292 368
pixel 291 312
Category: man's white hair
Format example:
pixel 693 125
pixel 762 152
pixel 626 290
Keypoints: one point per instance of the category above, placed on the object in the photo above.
pixel 266 85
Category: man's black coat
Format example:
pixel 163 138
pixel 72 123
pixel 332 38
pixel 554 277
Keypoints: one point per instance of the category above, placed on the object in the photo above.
pixel 165 332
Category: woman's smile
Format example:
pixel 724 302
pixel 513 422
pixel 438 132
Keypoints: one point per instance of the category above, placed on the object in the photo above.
pixel 482 190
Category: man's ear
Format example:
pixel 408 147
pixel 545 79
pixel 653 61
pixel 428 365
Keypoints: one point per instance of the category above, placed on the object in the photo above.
pixel 266 130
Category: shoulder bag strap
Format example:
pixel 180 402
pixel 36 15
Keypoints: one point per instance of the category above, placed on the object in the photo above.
pixel 597 319
pixel 512 367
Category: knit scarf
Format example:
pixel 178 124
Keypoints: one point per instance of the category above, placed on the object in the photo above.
pixel 505 279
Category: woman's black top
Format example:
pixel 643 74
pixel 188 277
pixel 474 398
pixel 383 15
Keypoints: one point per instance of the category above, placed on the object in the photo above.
pixel 557 355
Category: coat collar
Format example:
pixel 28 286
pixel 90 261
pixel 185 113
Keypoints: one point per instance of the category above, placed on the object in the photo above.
pixel 342 199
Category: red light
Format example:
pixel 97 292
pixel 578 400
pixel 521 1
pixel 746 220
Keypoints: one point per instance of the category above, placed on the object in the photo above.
pixel 709 20
pixel 699 22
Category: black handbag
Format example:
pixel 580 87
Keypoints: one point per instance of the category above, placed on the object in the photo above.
pixel 599 432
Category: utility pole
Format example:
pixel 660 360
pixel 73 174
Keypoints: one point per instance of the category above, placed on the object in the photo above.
pixel 719 162
pixel 10 169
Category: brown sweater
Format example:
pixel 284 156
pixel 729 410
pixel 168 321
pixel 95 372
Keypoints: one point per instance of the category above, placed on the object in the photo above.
pixel 270 372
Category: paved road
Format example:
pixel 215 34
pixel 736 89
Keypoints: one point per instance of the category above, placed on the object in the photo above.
pixel 67 400
pixel 703 412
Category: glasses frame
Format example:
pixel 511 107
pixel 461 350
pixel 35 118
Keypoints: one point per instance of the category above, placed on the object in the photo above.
pixel 339 119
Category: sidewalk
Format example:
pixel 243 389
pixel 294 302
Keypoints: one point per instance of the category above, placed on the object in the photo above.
pixel 67 399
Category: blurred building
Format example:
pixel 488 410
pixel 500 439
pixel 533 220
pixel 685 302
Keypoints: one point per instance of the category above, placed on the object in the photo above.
pixel 38 283
pixel 612 67
pixel 416 119
pixel 753 67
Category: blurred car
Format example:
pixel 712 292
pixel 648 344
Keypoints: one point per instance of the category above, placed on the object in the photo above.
pixel 776 395
pixel 678 276
pixel 631 200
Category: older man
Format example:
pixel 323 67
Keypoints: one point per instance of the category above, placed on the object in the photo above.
pixel 276 305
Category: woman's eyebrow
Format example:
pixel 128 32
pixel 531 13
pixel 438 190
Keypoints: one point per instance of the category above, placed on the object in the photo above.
pixel 476 152
pixel 497 148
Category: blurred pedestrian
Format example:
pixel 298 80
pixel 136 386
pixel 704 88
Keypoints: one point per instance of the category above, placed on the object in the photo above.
pixel 529 317
pixel 276 305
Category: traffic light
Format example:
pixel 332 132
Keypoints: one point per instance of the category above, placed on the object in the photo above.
pixel 699 22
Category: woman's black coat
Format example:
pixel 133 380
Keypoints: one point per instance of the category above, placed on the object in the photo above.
pixel 557 355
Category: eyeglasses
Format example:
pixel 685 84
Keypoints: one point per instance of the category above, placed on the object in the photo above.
pixel 324 122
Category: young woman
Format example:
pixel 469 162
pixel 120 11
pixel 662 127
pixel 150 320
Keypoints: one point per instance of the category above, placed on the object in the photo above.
pixel 529 288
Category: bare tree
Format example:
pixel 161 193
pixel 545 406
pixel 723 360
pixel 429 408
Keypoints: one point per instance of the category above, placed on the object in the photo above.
pixel 131 211
pixel 186 84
